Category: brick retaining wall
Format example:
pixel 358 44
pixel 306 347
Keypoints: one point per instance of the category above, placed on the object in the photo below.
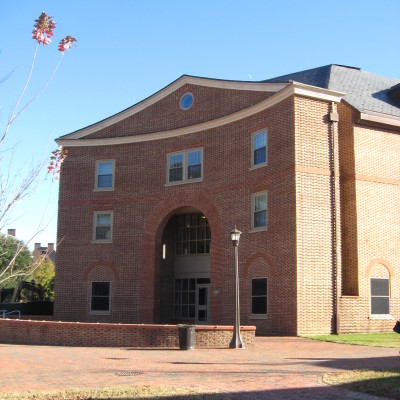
pixel 51 333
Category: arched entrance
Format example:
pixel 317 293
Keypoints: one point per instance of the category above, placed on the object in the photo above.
pixel 185 274
pixel 181 262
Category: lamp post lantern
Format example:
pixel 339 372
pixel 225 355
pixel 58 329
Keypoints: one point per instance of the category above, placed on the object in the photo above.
pixel 236 342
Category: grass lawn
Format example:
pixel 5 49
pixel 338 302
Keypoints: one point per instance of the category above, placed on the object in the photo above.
pixel 365 339
pixel 378 383
pixel 121 393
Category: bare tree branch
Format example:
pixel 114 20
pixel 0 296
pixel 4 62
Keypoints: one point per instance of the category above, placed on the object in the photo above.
pixel 11 119
pixel 16 185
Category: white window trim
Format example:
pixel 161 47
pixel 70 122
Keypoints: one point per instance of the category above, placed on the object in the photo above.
pixel 185 157
pixel 378 316
pixel 256 166
pixel 260 228
pixel 96 179
pixel 96 241
pixel 258 316
pixel 99 312
pixel 180 101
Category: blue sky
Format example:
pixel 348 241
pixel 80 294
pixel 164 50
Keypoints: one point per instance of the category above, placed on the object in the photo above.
pixel 128 50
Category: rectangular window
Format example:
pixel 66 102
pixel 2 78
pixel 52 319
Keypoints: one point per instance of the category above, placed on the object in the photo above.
pixel 194 165
pixel 259 296
pixel 105 175
pixel 259 148
pixel 176 168
pixel 185 298
pixel 193 234
pixel 259 211
pixel 100 298
pixel 102 226
pixel 185 166
pixel 380 294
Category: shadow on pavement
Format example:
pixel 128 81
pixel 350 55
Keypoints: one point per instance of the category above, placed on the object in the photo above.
pixel 375 363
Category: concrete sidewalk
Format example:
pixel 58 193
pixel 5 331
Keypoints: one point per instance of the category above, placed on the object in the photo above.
pixel 277 368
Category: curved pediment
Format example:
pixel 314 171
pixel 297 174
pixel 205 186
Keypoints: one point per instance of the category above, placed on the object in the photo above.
pixel 215 103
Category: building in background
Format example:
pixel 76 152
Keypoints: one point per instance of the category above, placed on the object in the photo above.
pixel 42 251
pixel 306 165
pixel 38 250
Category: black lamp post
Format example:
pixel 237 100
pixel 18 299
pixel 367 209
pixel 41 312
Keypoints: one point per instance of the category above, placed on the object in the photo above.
pixel 236 342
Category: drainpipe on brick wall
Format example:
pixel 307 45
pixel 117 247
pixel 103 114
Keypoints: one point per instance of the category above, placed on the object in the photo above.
pixel 334 119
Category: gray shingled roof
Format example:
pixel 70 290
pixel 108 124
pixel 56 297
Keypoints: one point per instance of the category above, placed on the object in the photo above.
pixel 364 91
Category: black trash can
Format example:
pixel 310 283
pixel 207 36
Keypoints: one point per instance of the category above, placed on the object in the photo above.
pixel 397 327
pixel 186 337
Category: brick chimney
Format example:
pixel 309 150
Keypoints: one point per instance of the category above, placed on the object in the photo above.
pixel 12 232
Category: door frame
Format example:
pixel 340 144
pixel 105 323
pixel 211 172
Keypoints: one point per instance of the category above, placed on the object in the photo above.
pixel 198 307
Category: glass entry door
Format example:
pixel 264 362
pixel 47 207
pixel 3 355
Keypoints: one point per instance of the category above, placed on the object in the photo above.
pixel 202 303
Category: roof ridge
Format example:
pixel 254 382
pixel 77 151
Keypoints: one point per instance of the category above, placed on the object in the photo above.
pixel 328 75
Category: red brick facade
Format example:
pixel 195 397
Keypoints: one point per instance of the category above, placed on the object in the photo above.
pixel 321 225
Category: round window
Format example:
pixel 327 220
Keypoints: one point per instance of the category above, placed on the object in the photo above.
pixel 186 101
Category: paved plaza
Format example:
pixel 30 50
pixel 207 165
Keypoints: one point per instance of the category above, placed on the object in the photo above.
pixel 276 368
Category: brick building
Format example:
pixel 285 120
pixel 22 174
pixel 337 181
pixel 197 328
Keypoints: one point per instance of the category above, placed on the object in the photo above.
pixel 47 252
pixel 306 165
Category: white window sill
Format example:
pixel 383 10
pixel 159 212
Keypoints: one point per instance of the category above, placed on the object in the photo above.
pixel 253 167
pixel 103 189
pixel 383 316
pixel 261 229
pixel 184 182
pixel 258 316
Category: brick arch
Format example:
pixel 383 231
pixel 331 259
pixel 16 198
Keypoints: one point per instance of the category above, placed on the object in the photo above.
pixel 151 248
pixel 382 262
pixel 254 257
pixel 96 264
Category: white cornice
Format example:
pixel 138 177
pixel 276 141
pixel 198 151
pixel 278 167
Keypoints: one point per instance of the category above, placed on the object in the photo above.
pixel 75 140
pixel 380 118
pixel 315 92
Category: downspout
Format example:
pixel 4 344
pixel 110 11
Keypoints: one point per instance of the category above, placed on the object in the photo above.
pixel 334 119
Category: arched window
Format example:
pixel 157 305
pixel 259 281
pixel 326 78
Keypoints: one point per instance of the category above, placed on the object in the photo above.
pixel 379 272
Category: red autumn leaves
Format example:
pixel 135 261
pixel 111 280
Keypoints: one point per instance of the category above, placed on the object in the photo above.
pixel 43 32
pixel 56 159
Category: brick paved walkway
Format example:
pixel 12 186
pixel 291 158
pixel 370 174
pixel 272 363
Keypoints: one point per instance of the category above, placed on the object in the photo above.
pixel 277 368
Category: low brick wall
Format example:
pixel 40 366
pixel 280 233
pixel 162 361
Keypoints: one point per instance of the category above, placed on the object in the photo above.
pixel 51 333
pixel 219 337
